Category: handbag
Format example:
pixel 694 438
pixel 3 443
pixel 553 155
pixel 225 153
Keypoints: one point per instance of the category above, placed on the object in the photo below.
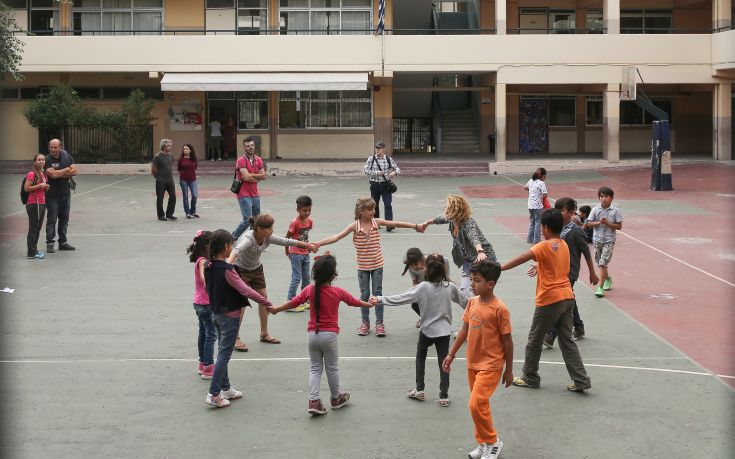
pixel 388 183
pixel 236 184
pixel 546 203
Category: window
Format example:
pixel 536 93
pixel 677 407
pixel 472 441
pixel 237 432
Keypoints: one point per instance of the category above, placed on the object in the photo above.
pixel 16 3
pixel 594 111
pixel 330 17
pixel 632 114
pixel 594 22
pixel 314 109
pixel 544 20
pixel 252 16
pixel 562 21
pixel 645 21
pixel 7 94
pixel 44 17
pixel 117 17
pixel 248 108
pixel 562 112
pixel 220 4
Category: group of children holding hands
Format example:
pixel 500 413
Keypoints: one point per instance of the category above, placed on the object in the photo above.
pixel 227 275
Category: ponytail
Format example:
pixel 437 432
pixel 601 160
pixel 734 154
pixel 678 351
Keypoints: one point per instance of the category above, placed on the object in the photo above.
pixel 324 270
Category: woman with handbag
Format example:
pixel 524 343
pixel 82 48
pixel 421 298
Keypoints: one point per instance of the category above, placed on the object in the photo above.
pixel 537 194
pixel 380 169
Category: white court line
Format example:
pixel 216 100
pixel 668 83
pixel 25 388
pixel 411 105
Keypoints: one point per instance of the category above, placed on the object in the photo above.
pixel 518 183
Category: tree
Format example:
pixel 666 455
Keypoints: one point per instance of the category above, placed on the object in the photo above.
pixel 10 46
pixel 61 106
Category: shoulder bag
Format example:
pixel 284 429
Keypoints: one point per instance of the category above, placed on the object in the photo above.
pixel 388 183
pixel 236 184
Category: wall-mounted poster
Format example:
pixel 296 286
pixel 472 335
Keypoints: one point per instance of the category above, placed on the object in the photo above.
pixel 185 117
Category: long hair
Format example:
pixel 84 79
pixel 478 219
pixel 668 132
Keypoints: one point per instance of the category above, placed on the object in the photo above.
pixel 192 155
pixel 457 209
pixel 200 246
pixel 540 173
pixel 323 271
pixel 413 255
pixel 435 269
pixel 218 240
pixel 363 204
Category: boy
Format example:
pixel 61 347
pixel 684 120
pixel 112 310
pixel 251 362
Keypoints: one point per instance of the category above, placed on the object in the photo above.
pixel 554 304
pixel 486 327
pixel 605 220
pixel 299 229
pixel 573 235
pixel 583 215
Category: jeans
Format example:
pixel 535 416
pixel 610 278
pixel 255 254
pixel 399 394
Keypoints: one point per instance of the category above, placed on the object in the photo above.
pixel 464 281
pixel 377 191
pixel 324 355
pixel 214 148
pixel 207 334
pixel 226 328
pixel 36 213
pixel 364 278
pixel 534 226
pixel 57 207
pixel 299 273
pixel 185 187
pixel 161 188
pixel 442 349
pixel 249 207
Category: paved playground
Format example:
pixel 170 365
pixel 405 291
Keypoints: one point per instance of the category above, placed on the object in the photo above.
pixel 99 350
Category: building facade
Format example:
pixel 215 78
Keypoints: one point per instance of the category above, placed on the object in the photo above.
pixel 313 79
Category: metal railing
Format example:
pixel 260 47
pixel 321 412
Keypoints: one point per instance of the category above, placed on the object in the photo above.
pixel 103 144
pixel 329 31
pixel 412 134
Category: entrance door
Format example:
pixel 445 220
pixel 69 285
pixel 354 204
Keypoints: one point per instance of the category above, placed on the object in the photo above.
pixel 534 125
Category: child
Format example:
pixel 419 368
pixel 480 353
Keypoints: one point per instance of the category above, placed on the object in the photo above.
pixel 554 304
pixel 574 237
pixel 434 297
pixel 35 184
pixel 187 166
pixel 583 215
pixel 486 328
pixel 415 264
pixel 226 291
pixel 366 239
pixel 246 258
pixel 536 188
pixel 197 251
pixel 299 229
pixel 605 220
pixel 323 330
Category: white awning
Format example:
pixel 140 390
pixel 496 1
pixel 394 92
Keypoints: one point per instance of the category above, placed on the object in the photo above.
pixel 264 81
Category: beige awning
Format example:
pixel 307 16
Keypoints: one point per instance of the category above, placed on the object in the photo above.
pixel 264 81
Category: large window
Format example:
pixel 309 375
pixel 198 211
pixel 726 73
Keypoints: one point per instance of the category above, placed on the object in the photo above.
pixel 248 108
pixel 562 112
pixel 594 21
pixel 645 21
pixel 325 109
pixel 631 114
pixel 544 20
pixel 320 17
pixel 44 18
pixel 594 110
pixel 247 17
pixel 117 17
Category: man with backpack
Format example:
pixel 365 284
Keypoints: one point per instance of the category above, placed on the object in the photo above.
pixel 60 169
pixel 380 169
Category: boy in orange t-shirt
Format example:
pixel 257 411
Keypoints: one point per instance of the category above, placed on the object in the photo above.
pixel 486 327
pixel 554 305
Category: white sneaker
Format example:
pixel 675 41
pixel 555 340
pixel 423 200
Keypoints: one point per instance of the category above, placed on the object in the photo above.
pixel 492 451
pixel 217 402
pixel 475 453
pixel 417 395
pixel 231 394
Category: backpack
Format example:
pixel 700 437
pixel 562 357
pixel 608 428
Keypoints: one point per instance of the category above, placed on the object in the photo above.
pixel 23 193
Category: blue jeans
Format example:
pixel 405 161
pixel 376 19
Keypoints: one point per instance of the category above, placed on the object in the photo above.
pixel 57 208
pixel 226 328
pixel 249 207
pixel 364 278
pixel 534 226
pixel 377 191
pixel 299 273
pixel 185 187
pixel 207 334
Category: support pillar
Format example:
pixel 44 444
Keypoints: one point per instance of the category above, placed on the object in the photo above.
pixel 722 121
pixel 501 126
pixel 501 15
pixel 273 124
pixel 611 16
pixel 721 13
pixel 383 110
pixel 611 123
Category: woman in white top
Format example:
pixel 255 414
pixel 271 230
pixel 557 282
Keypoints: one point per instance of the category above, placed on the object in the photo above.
pixel 536 193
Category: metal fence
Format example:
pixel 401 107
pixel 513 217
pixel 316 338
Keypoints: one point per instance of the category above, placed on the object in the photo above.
pixel 412 134
pixel 102 144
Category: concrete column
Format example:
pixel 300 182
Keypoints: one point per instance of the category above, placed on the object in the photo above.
pixel 501 15
pixel 274 21
pixel 65 17
pixel 383 111
pixel 722 121
pixel 721 13
pixel 500 122
pixel 611 123
pixel 611 16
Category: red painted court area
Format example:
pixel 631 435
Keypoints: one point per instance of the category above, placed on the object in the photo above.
pixel 674 260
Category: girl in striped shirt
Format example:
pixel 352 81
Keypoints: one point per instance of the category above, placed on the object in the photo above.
pixel 366 239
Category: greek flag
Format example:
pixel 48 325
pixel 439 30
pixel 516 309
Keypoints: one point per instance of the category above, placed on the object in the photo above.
pixel 381 17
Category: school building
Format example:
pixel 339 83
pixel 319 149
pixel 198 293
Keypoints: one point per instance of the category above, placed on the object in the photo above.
pixel 312 79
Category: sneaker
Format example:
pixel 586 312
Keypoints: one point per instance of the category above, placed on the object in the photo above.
pixel 188 217
pixel 37 256
pixel 607 285
pixel 574 388
pixel 380 330
pixel 218 401
pixel 418 323
pixel 549 340
pixel 444 402
pixel 342 400
pixel 201 367
pixel 195 215
pixel 171 217
pixel 578 332
pixel 599 293
pixel 364 329
pixel 296 309
pixel 492 451
pixel 163 219
pixel 66 246
pixel 50 248
pixel 306 305
pixel 208 372
pixel 520 382
pixel 477 452
pixel 416 395
pixel 231 393
pixel 316 408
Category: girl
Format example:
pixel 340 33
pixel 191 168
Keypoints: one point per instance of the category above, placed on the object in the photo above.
pixel 188 179
pixel 366 239
pixel 197 251
pixel 536 194
pixel 246 258
pixel 415 264
pixel 323 330
pixel 434 297
pixel 469 244
pixel 35 184
pixel 226 291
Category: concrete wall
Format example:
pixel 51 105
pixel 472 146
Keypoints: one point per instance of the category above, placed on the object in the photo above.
pixel 317 145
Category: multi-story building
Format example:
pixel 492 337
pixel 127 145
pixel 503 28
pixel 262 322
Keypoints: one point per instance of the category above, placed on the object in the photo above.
pixel 313 79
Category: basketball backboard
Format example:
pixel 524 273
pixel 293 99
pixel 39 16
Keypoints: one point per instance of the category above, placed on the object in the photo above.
pixel 627 89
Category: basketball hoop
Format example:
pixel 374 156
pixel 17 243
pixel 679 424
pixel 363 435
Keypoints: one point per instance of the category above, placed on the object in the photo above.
pixel 627 89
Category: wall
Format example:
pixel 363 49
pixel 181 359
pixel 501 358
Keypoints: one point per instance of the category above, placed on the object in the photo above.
pixel 185 14
pixel 314 145
pixel 19 139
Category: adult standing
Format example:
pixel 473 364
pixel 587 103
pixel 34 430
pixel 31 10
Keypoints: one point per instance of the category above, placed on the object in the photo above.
pixel 215 140
pixel 536 188
pixel 187 165
pixel 162 169
pixel 60 168
pixel 35 184
pixel 380 168
pixel 250 170
pixel 229 134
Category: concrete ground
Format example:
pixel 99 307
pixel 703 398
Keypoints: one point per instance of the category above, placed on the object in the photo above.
pixel 99 350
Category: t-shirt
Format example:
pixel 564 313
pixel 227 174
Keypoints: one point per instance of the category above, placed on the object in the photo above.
pixel 164 167
pixel 300 231
pixel 247 251
pixel 487 323
pixel 536 190
pixel 603 233
pixel 215 127
pixel 248 189
pixel 36 196
pixel 367 246
pixel 187 169
pixel 552 281
pixel 329 299
pixel 60 186
pixel 200 291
